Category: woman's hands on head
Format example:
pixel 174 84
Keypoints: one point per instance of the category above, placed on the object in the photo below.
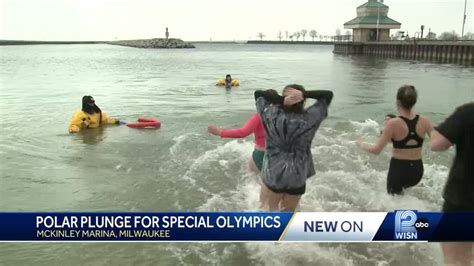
pixel 292 96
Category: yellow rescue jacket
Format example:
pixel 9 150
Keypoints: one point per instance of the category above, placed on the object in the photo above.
pixel 81 119
pixel 221 82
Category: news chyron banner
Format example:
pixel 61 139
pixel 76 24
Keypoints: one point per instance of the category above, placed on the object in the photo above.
pixel 400 225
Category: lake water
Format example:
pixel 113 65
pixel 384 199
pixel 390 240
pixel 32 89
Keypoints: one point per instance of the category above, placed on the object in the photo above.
pixel 181 167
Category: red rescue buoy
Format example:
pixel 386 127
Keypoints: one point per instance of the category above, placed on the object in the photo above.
pixel 145 123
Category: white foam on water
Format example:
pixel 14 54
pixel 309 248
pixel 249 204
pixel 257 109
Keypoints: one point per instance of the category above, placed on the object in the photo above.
pixel 223 163
pixel 179 140
pixel 368 126
pixel 347 179
pixel 213 170
pixel 298 254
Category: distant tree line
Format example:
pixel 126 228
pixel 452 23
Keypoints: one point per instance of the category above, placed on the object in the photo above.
pixel 453 36
pixel 302 34
pixel 399 35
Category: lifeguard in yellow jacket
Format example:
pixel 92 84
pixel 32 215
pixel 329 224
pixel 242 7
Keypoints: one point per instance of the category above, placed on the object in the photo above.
pixel 228 82
pixel 90 116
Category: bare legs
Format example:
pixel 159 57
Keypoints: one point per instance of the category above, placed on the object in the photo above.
pixel 253 167
pixel 289 203
pixel 271 201
pixel 457 254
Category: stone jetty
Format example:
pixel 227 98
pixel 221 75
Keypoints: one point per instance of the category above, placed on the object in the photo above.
pixel 156 43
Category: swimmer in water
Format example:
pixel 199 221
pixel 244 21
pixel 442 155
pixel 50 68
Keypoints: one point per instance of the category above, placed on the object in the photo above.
pixel 228 81
pixel 406 132
pixel 386 119
pixel 289 130
pixel 253 125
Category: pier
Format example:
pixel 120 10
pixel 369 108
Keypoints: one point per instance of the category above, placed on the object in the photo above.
pixel 455 52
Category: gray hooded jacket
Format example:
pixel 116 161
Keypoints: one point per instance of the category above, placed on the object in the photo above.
pixel 288 161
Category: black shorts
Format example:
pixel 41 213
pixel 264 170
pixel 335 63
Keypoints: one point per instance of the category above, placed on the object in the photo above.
pixel 403 174
pixel 290 191
pixel 450 207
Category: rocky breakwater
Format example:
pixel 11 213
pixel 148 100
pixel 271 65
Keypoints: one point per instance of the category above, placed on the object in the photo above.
pixel 157 43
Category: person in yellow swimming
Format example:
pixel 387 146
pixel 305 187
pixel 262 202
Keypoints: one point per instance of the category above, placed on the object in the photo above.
pixel 228 82
pixel 90 116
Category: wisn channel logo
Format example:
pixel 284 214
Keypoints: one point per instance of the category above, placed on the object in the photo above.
pixel 407 225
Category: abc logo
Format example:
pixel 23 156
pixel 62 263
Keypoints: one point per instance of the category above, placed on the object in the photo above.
pixel 422 224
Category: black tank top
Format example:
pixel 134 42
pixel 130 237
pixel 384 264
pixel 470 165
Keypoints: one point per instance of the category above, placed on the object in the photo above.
pixel 412 135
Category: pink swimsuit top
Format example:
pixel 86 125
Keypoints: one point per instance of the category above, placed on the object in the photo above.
pixel 253 125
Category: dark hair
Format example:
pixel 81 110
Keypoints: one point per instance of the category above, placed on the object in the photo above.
pixel 228 75
pixel 298 107
pixel 407 96
pixel 390 115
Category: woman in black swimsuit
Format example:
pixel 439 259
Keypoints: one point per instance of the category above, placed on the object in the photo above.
pixel 406 132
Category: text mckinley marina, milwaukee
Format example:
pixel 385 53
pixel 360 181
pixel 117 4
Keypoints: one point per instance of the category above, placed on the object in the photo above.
pixel 94 234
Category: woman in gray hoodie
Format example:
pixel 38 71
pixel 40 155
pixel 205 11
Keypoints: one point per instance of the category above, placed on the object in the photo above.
pixel 289 130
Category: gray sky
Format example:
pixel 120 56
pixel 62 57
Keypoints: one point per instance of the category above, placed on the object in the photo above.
pixel 194 20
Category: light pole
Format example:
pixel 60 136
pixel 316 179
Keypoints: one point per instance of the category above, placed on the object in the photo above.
pixel 378 18
pixel 464 19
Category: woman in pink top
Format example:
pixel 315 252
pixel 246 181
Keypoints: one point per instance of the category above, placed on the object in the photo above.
pixel 253 125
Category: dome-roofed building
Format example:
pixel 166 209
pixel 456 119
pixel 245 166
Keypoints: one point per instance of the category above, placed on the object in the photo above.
pixel 371 23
